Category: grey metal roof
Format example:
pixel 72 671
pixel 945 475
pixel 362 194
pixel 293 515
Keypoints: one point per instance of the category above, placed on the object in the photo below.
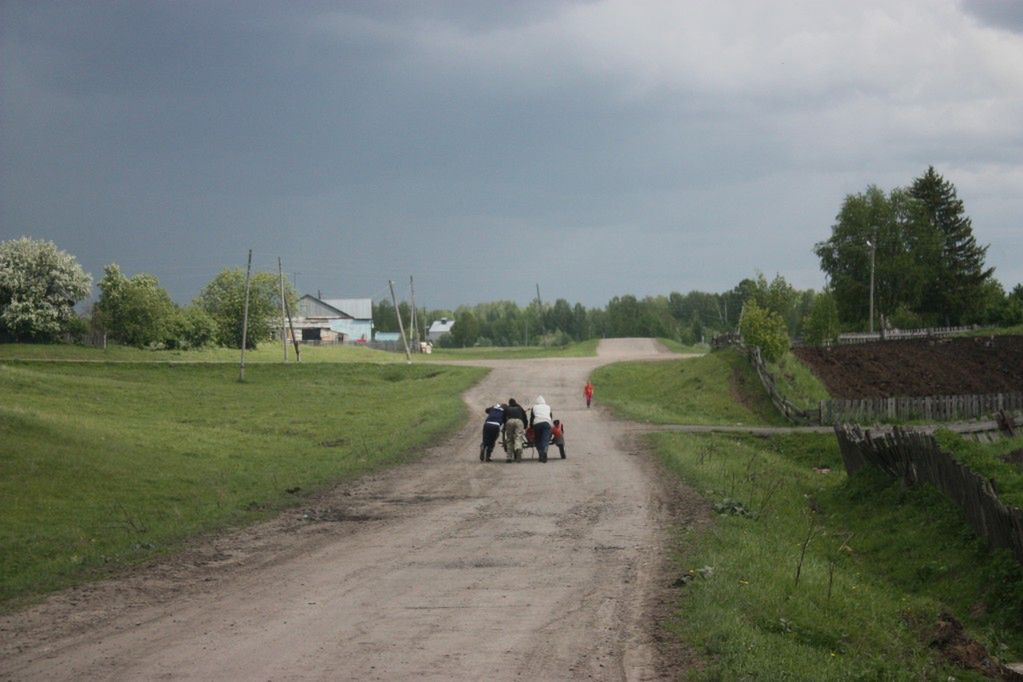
pixel 359 308
pixel 441 326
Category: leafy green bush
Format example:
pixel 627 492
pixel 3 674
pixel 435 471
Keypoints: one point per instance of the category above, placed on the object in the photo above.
pixel 764 329
pixel 821 324
pixel 904 318
pixel 190 328
pixel 134 310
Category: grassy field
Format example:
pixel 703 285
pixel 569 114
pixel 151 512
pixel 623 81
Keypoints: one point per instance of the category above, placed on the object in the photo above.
pixel 575 350
pixel 676 347
pixel 717 388
pixel 104 465
pixel 267 352
pixel 274 353
pixel 881 563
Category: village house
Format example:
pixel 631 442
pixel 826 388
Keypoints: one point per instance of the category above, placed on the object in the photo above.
pixel 334 320
pixel 439 328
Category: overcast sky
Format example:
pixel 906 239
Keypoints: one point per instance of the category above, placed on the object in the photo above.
pixel 485 146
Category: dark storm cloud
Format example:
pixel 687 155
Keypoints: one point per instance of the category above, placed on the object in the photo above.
pixel 623 146
pixel 1004 14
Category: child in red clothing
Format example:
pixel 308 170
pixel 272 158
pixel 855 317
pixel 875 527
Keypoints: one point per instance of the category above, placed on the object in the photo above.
pixel 558 436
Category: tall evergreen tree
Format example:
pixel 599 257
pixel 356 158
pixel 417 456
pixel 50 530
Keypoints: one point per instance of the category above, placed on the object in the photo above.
pixel 958 281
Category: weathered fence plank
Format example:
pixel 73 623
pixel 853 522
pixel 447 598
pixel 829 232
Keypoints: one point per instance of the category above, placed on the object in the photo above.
pixel 914 457
pixel 931 408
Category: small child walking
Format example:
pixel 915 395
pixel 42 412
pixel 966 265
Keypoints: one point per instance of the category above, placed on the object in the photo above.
pixel 558 436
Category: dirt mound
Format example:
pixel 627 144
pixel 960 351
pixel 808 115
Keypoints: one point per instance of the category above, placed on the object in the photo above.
pixel 1014 457
pixel 957 648
pixel 920 367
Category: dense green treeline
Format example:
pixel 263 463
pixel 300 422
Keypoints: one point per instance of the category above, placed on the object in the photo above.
pixel 686 318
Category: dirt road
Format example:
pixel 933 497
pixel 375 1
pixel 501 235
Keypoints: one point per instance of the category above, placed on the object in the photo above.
pixel 444 569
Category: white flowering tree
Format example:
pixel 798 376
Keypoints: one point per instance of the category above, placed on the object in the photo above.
pixel 39 287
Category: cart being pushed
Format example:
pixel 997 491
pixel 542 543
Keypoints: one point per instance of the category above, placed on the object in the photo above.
pixel 527 441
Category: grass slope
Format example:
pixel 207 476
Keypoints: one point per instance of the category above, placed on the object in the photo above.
pixel 989 461
pixel 881 565
pixel 717 388
pixel 104 465
pixel 797 382
pixel 676 347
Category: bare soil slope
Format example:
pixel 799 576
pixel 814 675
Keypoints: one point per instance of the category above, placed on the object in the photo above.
pixel 442 569
pixel 919 367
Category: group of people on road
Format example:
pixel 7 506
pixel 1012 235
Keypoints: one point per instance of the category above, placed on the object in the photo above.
pixel 516 426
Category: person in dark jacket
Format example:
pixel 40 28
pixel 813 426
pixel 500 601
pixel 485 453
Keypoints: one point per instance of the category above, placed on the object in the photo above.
pixel 514 427
pixel 491 430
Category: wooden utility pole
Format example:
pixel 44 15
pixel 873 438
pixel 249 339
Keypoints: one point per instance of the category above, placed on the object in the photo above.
pixel 245 319
pixel 284 329
pixel 415 326
pixel 401 326
pixel 291 326
pixel 873 247
pixel 539 311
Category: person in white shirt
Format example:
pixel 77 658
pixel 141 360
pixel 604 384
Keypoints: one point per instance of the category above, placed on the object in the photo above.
pixel 541 418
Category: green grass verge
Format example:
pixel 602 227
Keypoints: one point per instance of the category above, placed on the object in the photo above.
pixel 676 347
pixel 1016 330
pixel 717 388
pixel 574 350
pixel 988 460
pixel 104 465
pixel 797 382
pixel 882 563
pixel 267 352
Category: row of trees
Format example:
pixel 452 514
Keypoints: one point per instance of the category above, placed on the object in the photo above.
pixel 40 286
pixel 687 318
pixel 137 311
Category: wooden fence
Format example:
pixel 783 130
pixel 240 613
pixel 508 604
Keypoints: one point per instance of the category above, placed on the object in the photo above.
pixel 783 404
pixel 902 334
pixel 914 456
pixel 726 339
pixel 931 408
